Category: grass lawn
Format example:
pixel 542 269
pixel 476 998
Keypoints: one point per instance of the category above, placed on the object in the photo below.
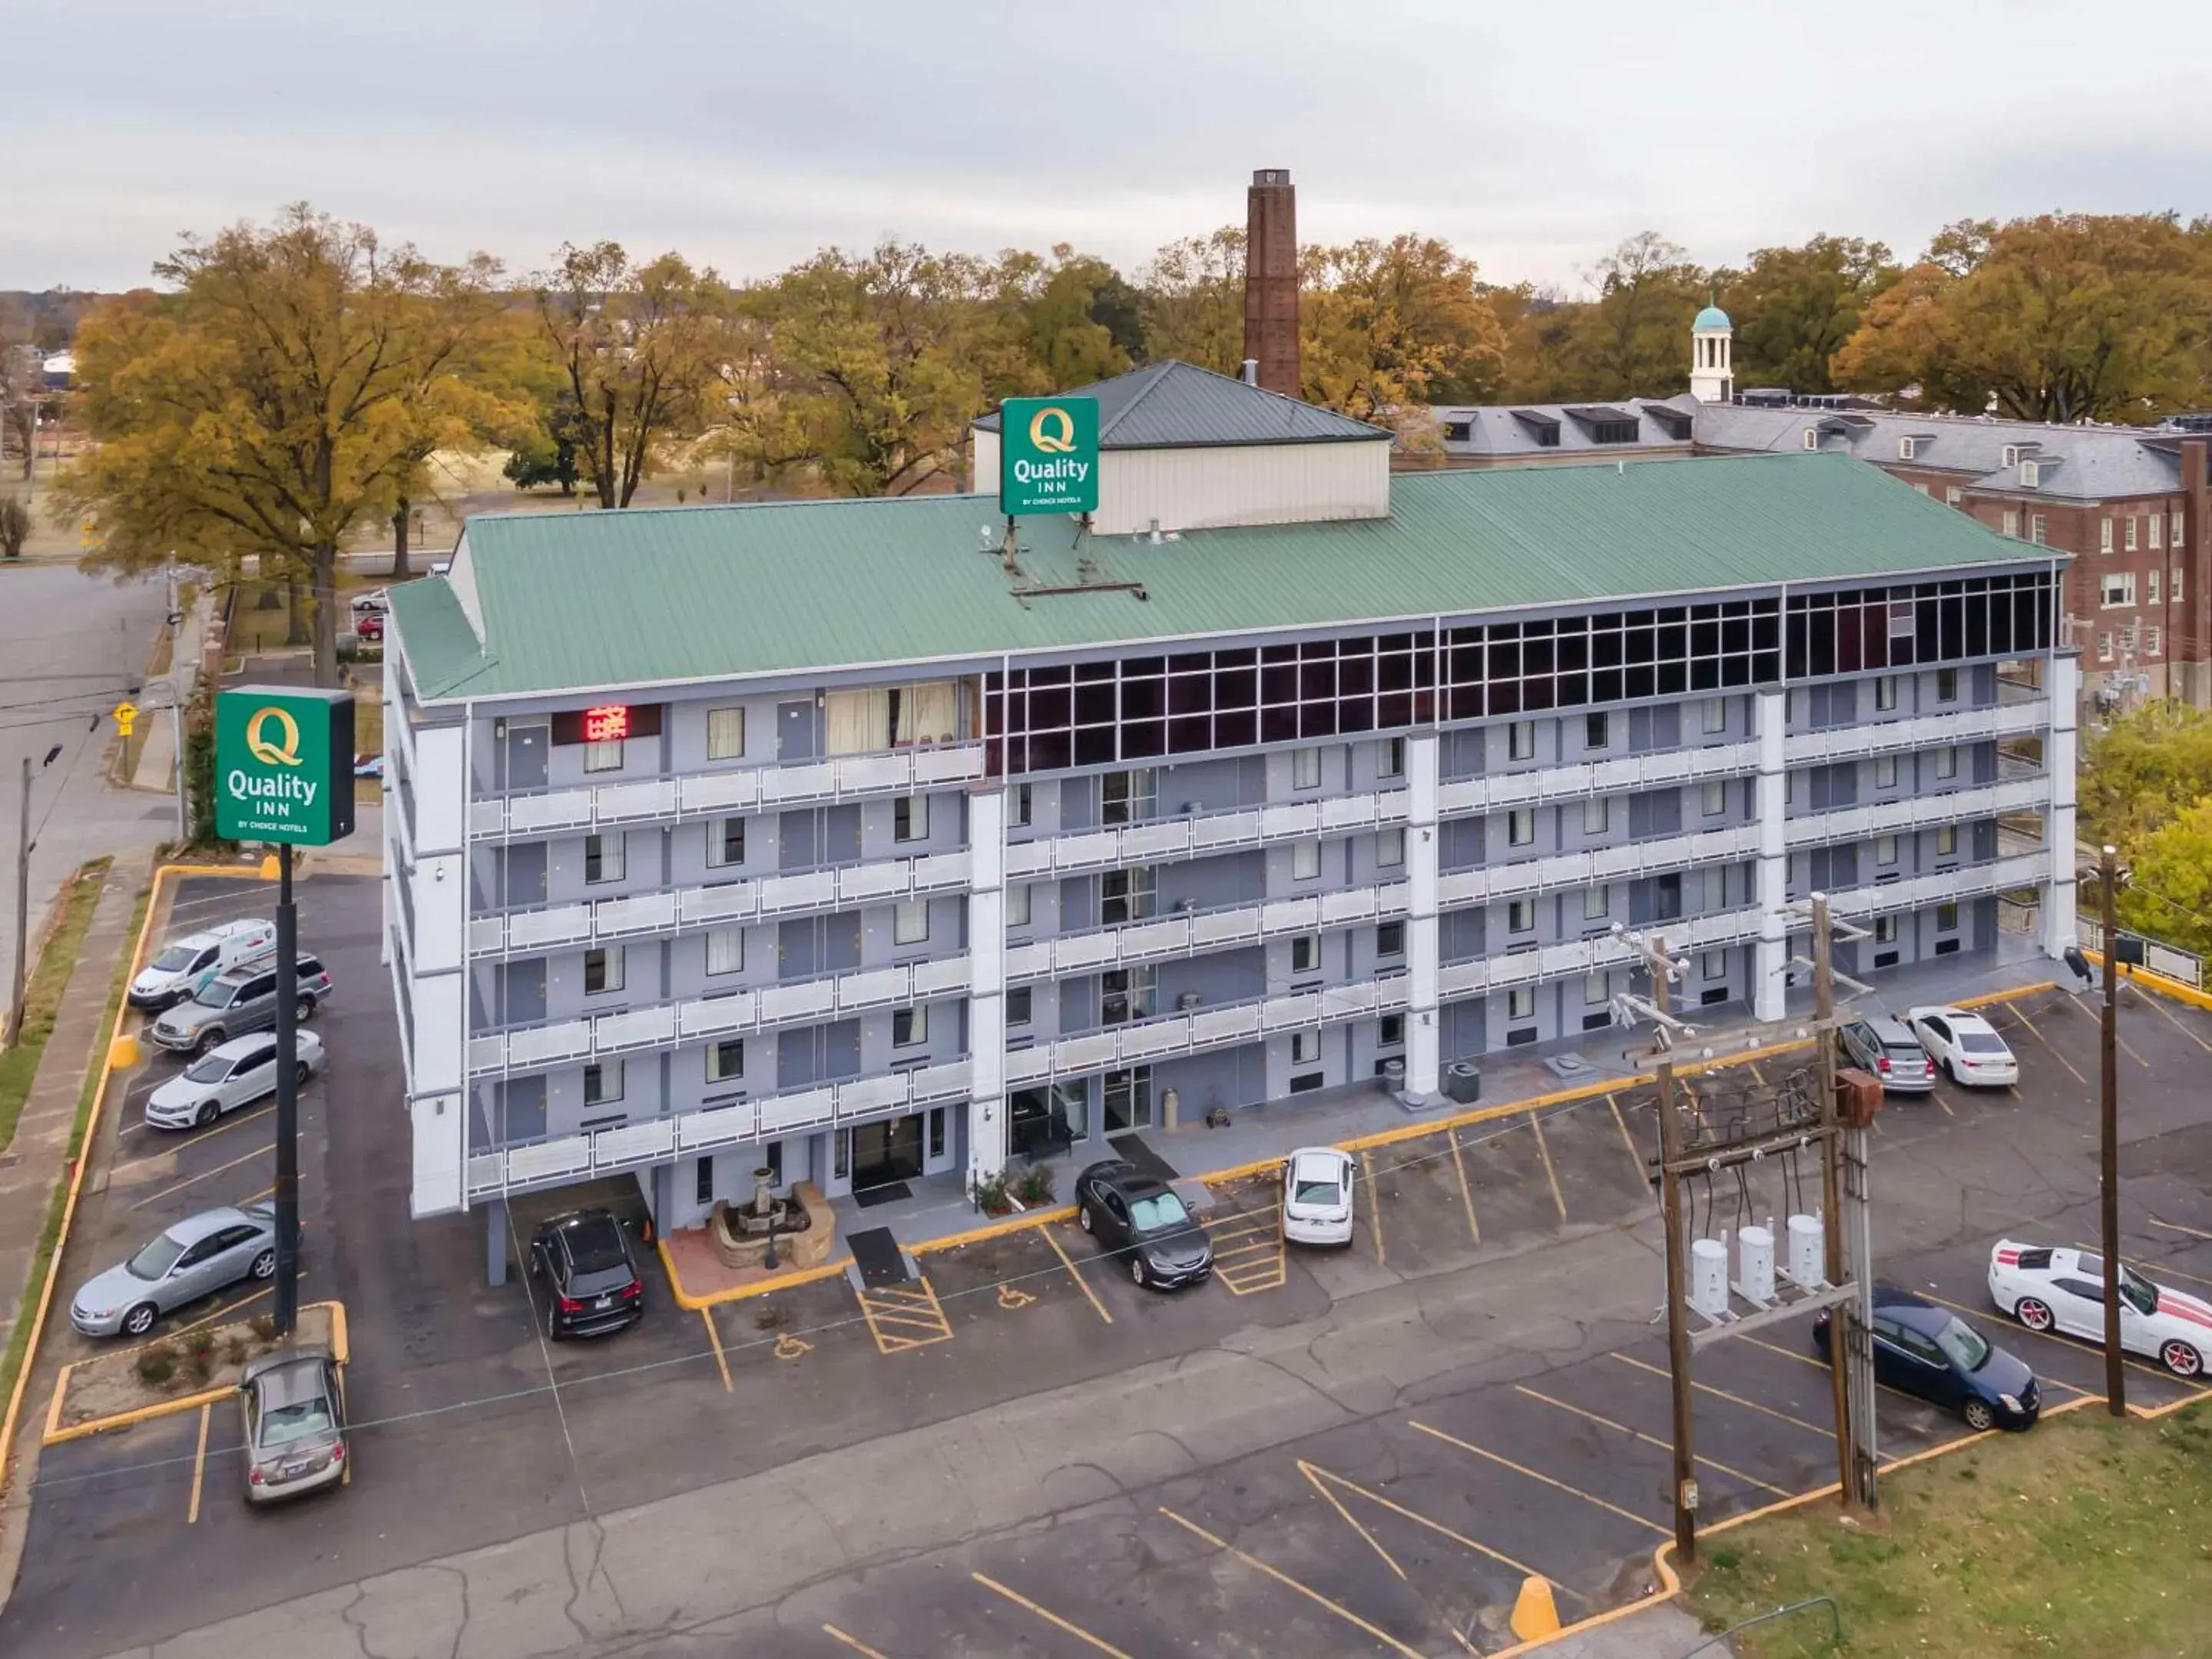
pixel 19 1339
pixel 2082 1536
pixel 42 993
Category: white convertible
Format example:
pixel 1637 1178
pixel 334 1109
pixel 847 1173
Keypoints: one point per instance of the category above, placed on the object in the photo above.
pixel 2050 1289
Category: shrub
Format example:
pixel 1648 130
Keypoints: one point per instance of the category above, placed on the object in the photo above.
pixel 262 1326
pixel 157 1364
pixel 992 1197
pixel 15 527
pixel 1034 1188
pixel 234 1351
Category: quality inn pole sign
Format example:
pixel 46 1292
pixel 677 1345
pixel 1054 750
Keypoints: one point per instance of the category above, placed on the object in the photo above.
pixel 284 765
pixel 1049 455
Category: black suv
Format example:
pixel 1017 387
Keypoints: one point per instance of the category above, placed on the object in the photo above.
pixel 591 1281
pixel 1138 1218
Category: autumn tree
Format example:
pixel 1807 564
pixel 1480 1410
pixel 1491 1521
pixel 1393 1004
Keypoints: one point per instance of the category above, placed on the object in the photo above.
pixel 1633 340
pixel 1389 327
pixel 2168 895
pixel 869 368
pixel 1194 301
pixel 1795 307
pixel 2065 316
pixel 639 349
pixel 2145 767
pixel 273 401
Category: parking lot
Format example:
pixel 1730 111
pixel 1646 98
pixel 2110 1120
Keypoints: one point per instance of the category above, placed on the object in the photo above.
pixel 1354 1450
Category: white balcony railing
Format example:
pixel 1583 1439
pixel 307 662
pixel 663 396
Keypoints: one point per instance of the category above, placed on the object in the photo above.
pixel 1190 1030
pixel 1622 863
pixel 713 793
pixel 735 1014
pixel 2004 719
pixel 2020 794
pixel 885 881
pixel 632 1146
pixel 1501 790
pixel 1166 840
pixel 1158 938
pixel 1573 958
pixel 1968 881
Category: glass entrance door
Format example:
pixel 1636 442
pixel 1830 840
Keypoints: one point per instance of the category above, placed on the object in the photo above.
pixel 1128 1100
pixel 884 1152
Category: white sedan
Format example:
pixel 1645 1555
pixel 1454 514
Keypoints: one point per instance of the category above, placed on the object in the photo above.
pixel 230 1075
pixel 1965 1045
pixel 2047 1288
pixel 1317 1196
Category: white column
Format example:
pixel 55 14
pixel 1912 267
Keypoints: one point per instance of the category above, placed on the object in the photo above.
pixel 986 983
pixel 1422 1036
pixel 433 959
pixel 1769 722
pixel 2059 746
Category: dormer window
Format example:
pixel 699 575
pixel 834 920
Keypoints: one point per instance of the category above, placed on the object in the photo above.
pixel 1905 446
pixel 1458 431
pixel 2030 474
pixel 1811 437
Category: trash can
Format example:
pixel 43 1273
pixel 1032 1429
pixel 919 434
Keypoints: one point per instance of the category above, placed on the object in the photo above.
pixel 1393 1075
pixel 1462 1081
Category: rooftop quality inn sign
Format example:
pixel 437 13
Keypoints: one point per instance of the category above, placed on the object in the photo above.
pixel 1049 455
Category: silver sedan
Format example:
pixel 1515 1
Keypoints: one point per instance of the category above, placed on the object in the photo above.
pixel 198 1256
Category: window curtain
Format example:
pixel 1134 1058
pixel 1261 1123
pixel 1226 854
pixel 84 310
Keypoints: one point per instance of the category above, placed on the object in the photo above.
pixel 859 721
pixel 929 713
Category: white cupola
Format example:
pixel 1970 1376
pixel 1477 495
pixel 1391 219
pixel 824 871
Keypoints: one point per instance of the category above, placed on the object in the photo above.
pixel 1712 356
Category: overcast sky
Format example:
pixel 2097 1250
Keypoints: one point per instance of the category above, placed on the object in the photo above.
pixel 746 135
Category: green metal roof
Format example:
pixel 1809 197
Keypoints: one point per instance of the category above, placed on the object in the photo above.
pixel 582 602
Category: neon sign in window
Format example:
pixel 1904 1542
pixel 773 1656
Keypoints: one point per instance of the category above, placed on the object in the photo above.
pixel 607 724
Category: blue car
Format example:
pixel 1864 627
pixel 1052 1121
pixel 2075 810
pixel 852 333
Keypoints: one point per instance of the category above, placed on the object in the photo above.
pixel 1930 1352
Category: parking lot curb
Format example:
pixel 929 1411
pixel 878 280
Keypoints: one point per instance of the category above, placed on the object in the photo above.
pixel 1016 1223
pixel 691 1304
pixel 2158 983
pixel 155 909
pixel 56 1435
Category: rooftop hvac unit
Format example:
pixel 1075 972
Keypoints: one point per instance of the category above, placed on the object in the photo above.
pixel 1709 1292
pixel 1807 1253
pixel 1755 1266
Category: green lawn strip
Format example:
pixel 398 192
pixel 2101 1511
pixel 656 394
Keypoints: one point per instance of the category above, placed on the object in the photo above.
pixel 2083 1536
pixel 50 1236
pixel 42 992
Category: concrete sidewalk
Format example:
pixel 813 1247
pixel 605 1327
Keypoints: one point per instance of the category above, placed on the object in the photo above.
pixel 38 1156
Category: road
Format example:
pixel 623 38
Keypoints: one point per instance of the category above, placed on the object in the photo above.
pixel 70 645
pixel 1337 1452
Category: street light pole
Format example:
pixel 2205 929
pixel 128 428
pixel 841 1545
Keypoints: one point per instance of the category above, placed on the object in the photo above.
pixel 2108 1133
pixel 288 1097
pixel 22 913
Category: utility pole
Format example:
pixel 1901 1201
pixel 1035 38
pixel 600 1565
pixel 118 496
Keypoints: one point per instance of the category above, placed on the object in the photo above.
pixel 2108 1131
pixel 1842 1337
pixel 176 695
pixel 288 1098
pixel 23 911
pixel 1678 1328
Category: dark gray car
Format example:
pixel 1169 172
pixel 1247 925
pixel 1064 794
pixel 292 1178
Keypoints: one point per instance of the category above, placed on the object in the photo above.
pixel 1887 1048
pixel 293 1404
pixel 235 1004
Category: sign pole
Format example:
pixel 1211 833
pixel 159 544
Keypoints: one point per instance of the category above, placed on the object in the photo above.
pixel 288 1097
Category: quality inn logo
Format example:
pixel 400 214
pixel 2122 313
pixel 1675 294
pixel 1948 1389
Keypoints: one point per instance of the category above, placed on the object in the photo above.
pixel 1052 430
pixel 286 750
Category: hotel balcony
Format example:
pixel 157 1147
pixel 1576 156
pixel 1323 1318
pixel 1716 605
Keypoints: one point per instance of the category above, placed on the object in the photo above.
pixel 1496 791
pixel 1161 841
pixel 1193 932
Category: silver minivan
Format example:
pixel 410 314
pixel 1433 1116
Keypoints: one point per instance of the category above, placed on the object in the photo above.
pixel 233 1004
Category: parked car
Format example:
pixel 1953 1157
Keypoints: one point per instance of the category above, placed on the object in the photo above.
pixel 368 625
pixel 232 1003
pixel 2047 1289
pixel 1887 1048
pixel 292 1408
pixel 1317 1196
pixel 237 1073
pixel 198 1256
pixel 592 1283
pixel 377 599
pixel 1929 1352
pixel 369 766
pixel 182 966
pixel 1138 1218
pixel 1964 1045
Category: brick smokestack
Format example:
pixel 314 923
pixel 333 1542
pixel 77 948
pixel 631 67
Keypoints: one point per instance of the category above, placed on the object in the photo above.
pixel 1271 280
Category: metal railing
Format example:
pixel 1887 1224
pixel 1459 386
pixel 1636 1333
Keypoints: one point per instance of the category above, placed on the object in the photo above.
pixel 2170 961
pixel 1188 932
pixel 1495 791
pixel 1202 835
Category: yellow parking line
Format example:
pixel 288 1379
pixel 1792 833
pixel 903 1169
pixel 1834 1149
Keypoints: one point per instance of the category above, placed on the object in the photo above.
pixel 1465 1192
pixel 1289 1582
pixel 2171 1018
pixel 893 1310
pixel 1312 1473
pixel 1049 1616
pixel 1653 1440
pixel 1081 1284
pixel 1538 1474
pixel 198 1136
pixel 188 1181
pixel 199 1467
pixel 2035 1032
pixel 1374 1205
pixel 1635 1158
pixel 721 1360
pixel 2176 1227
pixel 226 1311
pixel 1316 1474
pixel 1736 1399
pixel 852 1642
pixel 1550 1174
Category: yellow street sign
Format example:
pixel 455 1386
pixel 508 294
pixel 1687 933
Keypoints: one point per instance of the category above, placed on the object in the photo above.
pixel 125 713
